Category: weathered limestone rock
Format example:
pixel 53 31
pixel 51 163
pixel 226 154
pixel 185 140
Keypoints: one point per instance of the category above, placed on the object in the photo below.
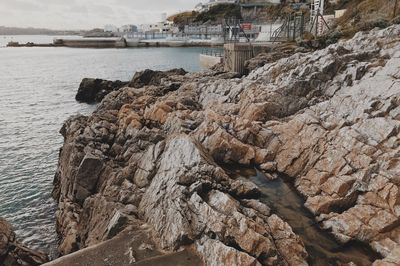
pixel 133 246
pixel 173 185
pixel 391 259
pixel 339 149
pixel 13 253
pixel 272 54
pixel 87 177
pixel 328 119
pixel 181 220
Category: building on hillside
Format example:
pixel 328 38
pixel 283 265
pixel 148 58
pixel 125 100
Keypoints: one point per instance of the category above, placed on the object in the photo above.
pixel 203 30
pixel 160 27
pixel 339 13
pixel 206 6
pixel 128 28
pixel 330 21
pixel 163 17
pixel 256 10
pixel 259 2
pixel 110 28
pixel 319 21
pixel 199 7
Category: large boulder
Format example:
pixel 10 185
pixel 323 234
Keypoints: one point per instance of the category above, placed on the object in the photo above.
pixel 13 253
pixel 152 77
pixel 94 90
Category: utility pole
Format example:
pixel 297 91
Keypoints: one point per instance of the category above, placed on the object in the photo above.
pixel 317 11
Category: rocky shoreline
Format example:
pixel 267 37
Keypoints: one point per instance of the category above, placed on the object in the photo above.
pixel 150 156
pixel 93 90
pixel 13 253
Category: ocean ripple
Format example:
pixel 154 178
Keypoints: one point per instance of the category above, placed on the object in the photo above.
pixel 37 87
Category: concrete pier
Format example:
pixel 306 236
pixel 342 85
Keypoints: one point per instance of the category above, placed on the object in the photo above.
pixel 208 61
pixel 91 43
pixel 235 54
pixel 117 43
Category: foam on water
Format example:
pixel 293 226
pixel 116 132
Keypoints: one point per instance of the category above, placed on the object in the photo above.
pixel 37 90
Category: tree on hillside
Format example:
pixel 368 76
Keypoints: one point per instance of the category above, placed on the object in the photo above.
pixel 219 13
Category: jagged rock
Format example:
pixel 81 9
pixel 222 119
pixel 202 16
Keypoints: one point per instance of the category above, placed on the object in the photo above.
pixel 7 236
pixel 94 90
pixel 244 189
pixel 328 119
pixel 133 246
pixel 272 54
pixel 151 77
pixel 87 177
pixel 170 199
pixel 212 212
pixel 13 253
pixel 391 259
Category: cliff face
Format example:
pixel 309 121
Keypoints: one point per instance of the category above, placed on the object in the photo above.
pixel 13 253
pixel 149 156
pixel 128 166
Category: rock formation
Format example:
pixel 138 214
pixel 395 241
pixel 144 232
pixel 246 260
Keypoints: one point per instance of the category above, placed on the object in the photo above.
pixel 94 90
pixel 13 253
pixel 151 156
pixel 151 77
pixel 272 54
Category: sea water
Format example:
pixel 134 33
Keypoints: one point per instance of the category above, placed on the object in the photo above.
pixel 37 93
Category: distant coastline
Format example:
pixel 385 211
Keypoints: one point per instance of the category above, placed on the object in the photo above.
pixel 36 31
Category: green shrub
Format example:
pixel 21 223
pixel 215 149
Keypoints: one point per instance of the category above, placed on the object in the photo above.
pixel 219 12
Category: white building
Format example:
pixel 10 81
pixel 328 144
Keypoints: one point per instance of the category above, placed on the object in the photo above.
pixel 203 29
pixel 205 7
pixel 128 28
pixel 259 2
pixel 339 13
pixel 110 28
pixel 163 17
pixel 199 7
pixel 160 27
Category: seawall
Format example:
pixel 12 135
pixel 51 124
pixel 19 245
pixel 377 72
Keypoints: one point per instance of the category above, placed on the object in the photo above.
pixel 115 43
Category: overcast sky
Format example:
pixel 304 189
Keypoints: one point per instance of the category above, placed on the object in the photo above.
pixel 86 14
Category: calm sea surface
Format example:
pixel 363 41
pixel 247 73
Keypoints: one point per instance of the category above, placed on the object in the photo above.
pixel 37 90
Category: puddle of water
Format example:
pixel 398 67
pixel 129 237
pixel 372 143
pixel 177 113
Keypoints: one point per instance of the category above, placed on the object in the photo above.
pixel 286 202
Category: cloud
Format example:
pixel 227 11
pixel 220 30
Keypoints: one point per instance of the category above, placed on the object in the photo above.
pixel 56 2
pixel 78 9
pixel 86 14
pixel 19 5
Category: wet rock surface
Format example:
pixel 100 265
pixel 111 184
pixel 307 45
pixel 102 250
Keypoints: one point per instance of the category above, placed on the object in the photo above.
pixel 328 119
pixel 13 253
pixel 286 202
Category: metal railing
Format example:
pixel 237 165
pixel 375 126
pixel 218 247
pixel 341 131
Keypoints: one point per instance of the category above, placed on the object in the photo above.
pixel 213 52
pixel 149 35
pixel 292 28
